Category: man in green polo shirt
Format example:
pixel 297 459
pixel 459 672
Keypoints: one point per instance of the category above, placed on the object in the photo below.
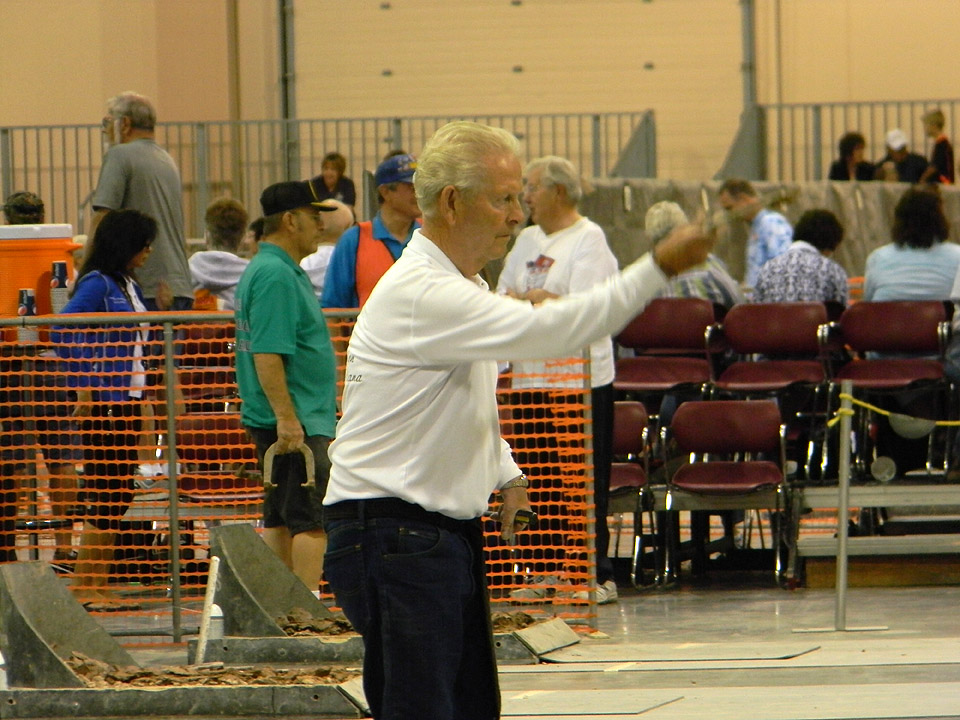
pixel 286 374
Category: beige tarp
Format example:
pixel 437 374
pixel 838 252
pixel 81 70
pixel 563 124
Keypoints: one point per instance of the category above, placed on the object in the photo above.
pixel 864 209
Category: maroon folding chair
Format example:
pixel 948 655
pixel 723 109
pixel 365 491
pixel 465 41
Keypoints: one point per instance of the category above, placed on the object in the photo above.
pixel 781 341
pixel 670 353
pixel 629 475
pixel 781 357
pixel 725 439
pixel 898 345
pixel 910 327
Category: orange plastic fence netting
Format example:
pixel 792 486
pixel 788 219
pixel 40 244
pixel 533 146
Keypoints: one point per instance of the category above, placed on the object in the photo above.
pixel 95 477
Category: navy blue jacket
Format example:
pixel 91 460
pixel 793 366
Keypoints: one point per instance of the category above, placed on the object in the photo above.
pixel 100 358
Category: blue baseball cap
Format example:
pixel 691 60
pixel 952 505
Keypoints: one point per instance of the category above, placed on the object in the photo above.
pixel 399 168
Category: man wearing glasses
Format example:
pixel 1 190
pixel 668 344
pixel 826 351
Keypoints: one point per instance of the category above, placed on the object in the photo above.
pixel 140 175
pixel 286 374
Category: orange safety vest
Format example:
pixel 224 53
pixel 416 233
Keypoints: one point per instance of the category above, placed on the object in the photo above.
pixel 373 260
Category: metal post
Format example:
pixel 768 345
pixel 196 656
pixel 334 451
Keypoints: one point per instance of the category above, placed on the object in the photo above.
pixel 748 43
pixel 597 147
pixel 288 90
pixel 650 127
pixel 591 479
pixel 816 141
pixel 843 518
pixel 396 140
pixel 843 506
pixel 201 172
pixel 6 162
pixel 170 384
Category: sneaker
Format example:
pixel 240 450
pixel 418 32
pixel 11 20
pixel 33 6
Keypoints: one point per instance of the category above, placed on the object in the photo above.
pixel 607 593
pixel 540 588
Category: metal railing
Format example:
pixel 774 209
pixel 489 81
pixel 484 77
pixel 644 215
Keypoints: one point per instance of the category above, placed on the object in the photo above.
pixel 239 158
pixel 801 138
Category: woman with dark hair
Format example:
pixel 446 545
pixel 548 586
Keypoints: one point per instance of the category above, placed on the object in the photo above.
pixel 806 272
pixel 851 165
pixel 919 264
pixel 331 183
pixel 105 368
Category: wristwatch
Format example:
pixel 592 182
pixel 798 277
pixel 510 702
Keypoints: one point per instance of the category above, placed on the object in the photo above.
pixel 520 480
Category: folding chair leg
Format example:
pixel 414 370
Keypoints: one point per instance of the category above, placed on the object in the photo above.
pixel 824 433
pixel 816 432
pixel 699 537
pixel 618 536
pixel 636 571
pixel 669 543
pixel 759 516
pixel 784 529
pixel 645 502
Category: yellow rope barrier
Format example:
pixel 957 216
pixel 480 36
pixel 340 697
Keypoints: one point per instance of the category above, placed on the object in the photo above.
pixel 880 411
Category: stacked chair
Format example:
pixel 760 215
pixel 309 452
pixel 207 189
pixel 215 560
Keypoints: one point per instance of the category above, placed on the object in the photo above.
pixel 775 395
pixel 780 357
pixel 737 461
pixel 629 476
pixel 898 346
pixel 669 353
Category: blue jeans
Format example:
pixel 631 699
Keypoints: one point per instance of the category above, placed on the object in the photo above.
pixel 417 594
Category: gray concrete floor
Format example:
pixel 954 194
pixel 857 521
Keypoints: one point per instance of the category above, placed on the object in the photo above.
pixel 733 648
pixel 734 652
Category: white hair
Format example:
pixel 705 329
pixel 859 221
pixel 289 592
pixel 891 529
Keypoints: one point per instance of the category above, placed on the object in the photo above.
pixel 135 106
pixel 455 156
pixel 662 218
pixel 558 171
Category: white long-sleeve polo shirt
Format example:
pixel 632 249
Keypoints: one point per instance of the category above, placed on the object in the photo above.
pixel 420 418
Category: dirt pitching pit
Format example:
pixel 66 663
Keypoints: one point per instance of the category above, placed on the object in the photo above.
pixel 97 674
pixel 504 622
pixel 299 622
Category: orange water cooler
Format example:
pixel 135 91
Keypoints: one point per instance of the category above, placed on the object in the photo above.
pixel 27 254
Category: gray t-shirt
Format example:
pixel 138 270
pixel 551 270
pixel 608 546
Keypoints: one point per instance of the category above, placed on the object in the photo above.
pixel 140 175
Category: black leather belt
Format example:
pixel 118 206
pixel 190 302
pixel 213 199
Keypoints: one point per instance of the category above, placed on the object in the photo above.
pixel 364 510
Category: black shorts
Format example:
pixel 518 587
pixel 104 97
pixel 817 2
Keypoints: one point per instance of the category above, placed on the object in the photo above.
pixel 289 504
pixel 110 454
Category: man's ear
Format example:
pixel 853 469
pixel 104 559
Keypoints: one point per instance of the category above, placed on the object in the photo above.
pixel 448 204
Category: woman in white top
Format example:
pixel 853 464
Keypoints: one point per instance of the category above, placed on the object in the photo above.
pixel 562 253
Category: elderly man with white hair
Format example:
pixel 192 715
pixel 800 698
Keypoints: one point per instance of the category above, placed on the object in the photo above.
pixel 138 174
pixel 418 450
pixel 709 280
pixel 335 224
pixel 562 253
